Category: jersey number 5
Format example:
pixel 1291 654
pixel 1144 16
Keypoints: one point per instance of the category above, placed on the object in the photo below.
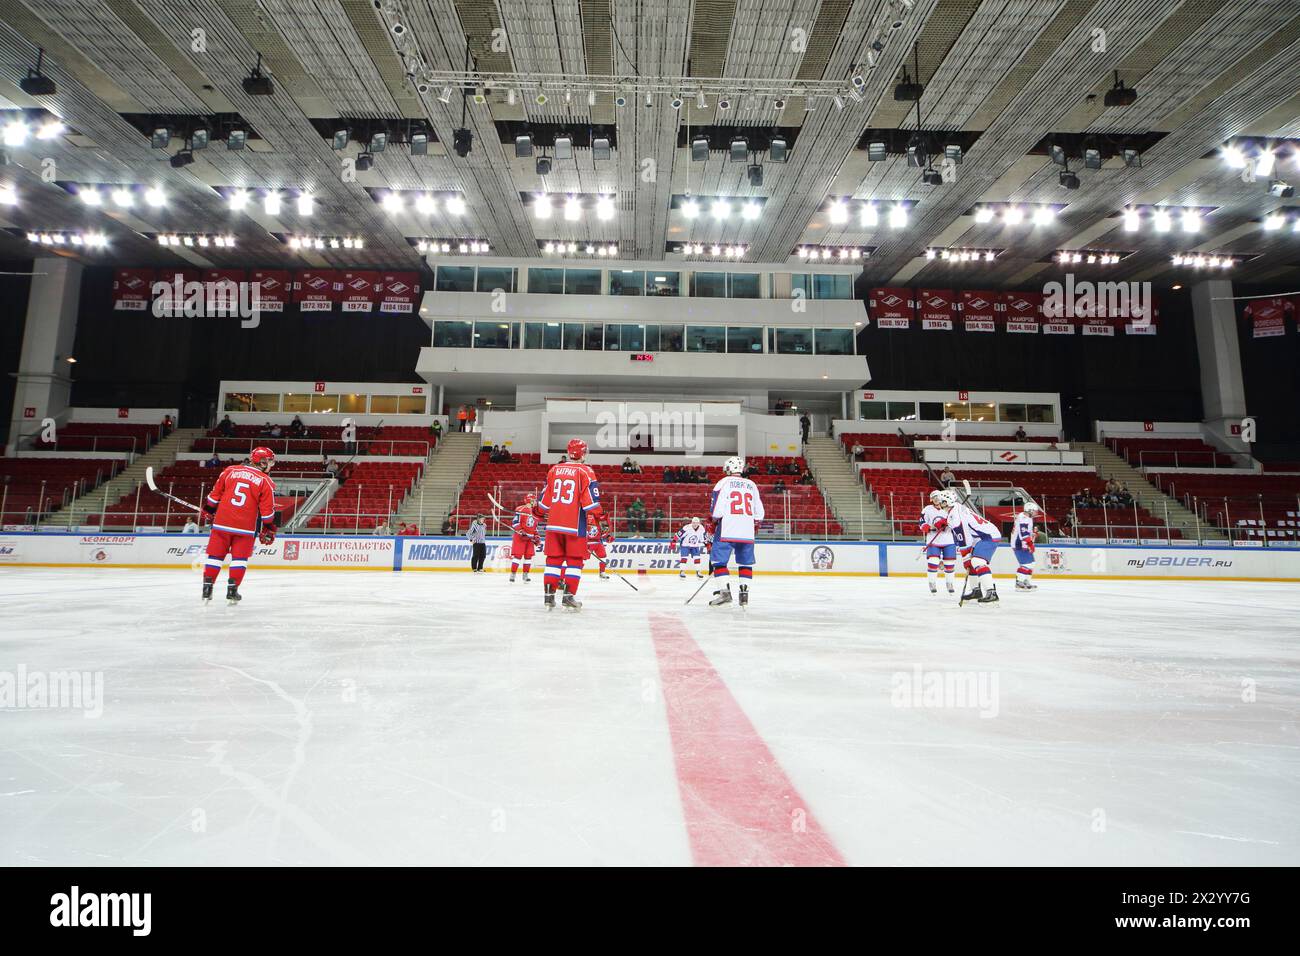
pixel 237 497
pixel 742 503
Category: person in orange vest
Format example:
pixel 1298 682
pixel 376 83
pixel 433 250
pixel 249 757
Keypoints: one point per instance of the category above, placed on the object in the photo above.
pixel 473 414
pixel 462 416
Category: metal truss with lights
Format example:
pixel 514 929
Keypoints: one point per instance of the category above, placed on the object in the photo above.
pixel 867 213
pixel 1016 213
pixel 1087 257
pixel 1162 219
pixel 424 202
pixel 571 207
pixel 192 240
pixel 961 256
pixel 707 250
pixel 320 243
pixel 834 253
pixel 748 208
pixel 440 246
pixel 1280 219
pixel 568 247
pixel 1208 260
pixel 62 238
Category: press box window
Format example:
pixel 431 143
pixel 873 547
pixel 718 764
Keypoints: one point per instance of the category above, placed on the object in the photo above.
pixel 455 279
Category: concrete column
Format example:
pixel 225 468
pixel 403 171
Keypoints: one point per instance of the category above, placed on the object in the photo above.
pixel 1223 391
pixel 44 379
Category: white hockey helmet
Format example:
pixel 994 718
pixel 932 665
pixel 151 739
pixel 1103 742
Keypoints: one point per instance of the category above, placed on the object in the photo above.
pixel 937 498
pixel 734 465
pixel 949 497
pixel 695 520
pixel 1031 508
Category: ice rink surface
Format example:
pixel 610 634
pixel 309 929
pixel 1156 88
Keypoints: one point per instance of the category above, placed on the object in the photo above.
pixel 446 718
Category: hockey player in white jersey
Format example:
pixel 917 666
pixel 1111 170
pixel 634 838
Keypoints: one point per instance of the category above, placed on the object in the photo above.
pixel 977 539
pixel 1022 543
pixel 940 548
pixel 737 508
pixel 690 544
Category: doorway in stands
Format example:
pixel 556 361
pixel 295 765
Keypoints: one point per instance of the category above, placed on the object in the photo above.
pixel 1075 420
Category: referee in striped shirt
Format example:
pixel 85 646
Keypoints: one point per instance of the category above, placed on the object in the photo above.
pixel 477 536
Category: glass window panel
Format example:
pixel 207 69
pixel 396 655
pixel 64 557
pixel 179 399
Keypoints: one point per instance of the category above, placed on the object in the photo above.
pixel 957 411
pixel 595 333
pixel 983 412
pixel 492 335
pixel 491 278
pixel 669 337
pixel 801 285
pixel 794 341
pixel 410 404
pixel 582 282
pixel 573 335
pixel 542 335
pixel 902 411
pixel 834 341
pixel 624 338
pixel 1011 413
pixel 452 334
pixel 873 411
pixel 742 285
pixel 265 402
pixel 705 338
pixel 548 281
pixel 353 404
pixel 663 283
pixel 1040 413
pixel 931 411
pixel 626 282
pixel 383 404
pixel 455 279
pixel 296 402
pixel 744 340
pixel 235 402
pixel 709 285
pixel 324 403
pixel 832 287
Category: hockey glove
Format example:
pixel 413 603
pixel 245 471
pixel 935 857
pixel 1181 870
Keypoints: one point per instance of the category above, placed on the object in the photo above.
pixel 940 524
pixel 209 507
pixel 607 537
pixel 267 534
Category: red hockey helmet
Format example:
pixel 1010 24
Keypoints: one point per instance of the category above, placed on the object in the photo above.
pixel 530 499
pixel 262 457
pixel 577 449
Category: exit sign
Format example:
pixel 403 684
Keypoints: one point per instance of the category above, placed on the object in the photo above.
pixel 641 357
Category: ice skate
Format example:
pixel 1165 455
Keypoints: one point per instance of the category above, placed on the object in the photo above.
pixel 935 590
pixel 682 574
pixel 721 597
pixel 603 576
pixel 512 577
pixel 549 598
pixel 699 574
pixel 571 603
pixel 744 595
pixel 989 596
pixel 232 594
pixel 526 578
pixel 207 592
pixel 951 589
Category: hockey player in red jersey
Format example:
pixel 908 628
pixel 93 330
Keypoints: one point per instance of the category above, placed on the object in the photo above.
pixel 524 543
pixel 242 507
pixel 596 541
pixel 570 503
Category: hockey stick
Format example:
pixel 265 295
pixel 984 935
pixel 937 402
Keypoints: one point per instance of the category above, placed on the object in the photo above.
pixel 148 477
pixel 701 587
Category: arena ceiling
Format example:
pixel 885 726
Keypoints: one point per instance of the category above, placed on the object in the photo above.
pixel 1002 78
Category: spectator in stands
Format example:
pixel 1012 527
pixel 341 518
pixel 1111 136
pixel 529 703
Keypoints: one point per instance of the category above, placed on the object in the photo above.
pixel 779 486
pixel 472 415
pixel 946 476
pixel 659 523
pixel 701 476
pixel 670 476
pixel 213 462
pixel 477 537
pixel 277 431
pixel 296 427
pixel 436 430
pixel 266 431
pixel 226 427
pixel 858 451
pixel 330 466
pixel 408 529
pixel 807 478
pixel 1021 435
pixel 382 528
pixel 771 468
pixel 1085 499
pixel 630 467
pixel 791 468
pixel 167 425
pixel 805 426
pixel 191 527
pixel 462 417
pixel 447 526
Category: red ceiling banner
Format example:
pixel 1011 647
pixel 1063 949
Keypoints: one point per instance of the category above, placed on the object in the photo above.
pixel 132 289
pixel 316 290
pixel 1268 316
pixel 979 309
pixel 272 289
pixel 224 288
pixel 936 308
pixel 180 293
pixel 398 291
pixel 1144 315
pixel 360 291
pixel 1024 311
pixel 890 308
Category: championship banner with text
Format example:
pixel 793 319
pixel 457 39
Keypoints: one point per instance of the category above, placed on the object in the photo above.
pixel 316 290
pixel 1024 311
pixel 225 284
pixel 1146 318
pixel 273 287
pixel 936 309
pixel 1268 316
pixel 890 308
pixel 360 291
pixel 132 289
pixel 182 286
pixel 979 310
pixel 398 292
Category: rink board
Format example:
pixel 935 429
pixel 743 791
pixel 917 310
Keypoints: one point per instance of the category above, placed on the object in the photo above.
pixel 828 558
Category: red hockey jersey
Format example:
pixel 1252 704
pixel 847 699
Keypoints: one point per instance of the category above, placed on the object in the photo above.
pixel 242 495
pixel 571 498
pixel 525 522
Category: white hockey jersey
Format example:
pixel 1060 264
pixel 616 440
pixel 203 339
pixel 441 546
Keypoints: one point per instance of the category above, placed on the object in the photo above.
pixel 692 536
pixel 929 515
pixel 968 528
pixel 737 508
pixel 1023 532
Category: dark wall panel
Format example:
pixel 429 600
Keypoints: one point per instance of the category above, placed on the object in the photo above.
pixel 15 285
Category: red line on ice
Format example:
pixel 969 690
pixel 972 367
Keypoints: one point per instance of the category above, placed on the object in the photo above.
pixel 740 807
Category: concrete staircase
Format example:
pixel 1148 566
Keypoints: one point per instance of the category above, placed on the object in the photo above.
pixel 436 494
pixel 848 498
pixel 159 456
pixel 1110 465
